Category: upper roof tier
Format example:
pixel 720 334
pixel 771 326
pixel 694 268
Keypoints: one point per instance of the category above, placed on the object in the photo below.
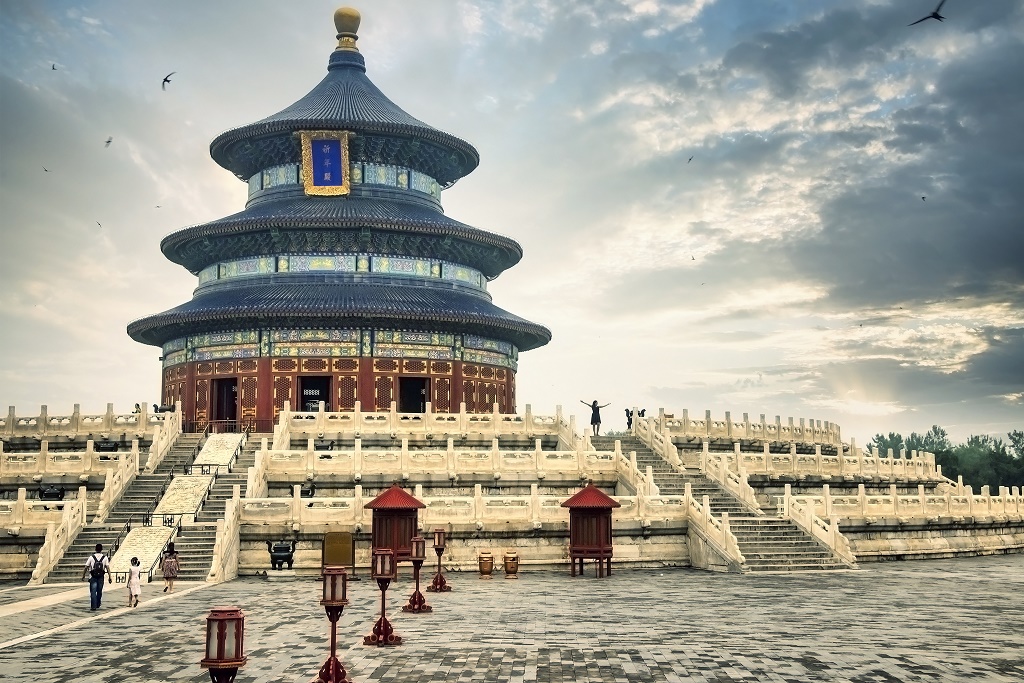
pixel 344 100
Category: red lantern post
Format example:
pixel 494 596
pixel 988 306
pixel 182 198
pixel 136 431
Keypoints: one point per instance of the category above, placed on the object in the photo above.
pixel 334 599
pixel 417 603
pixel 225 641
pixel 383 568
pixel 439 585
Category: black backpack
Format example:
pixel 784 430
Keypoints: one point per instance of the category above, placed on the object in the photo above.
pixel 97 566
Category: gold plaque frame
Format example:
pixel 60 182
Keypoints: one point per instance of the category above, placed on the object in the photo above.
pixel 307 137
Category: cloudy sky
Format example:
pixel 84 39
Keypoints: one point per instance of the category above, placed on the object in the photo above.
pixel 791 268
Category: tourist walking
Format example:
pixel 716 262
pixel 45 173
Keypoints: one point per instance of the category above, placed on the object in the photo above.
pixel 170 566
pixel 595 415
pixel 134 582
pixel 96 568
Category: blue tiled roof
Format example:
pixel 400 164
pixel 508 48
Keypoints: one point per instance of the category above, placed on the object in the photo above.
pixel 344 100
pixel 339 305
pixel 333 213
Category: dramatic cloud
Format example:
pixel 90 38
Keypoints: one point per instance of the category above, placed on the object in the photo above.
pixel 720 202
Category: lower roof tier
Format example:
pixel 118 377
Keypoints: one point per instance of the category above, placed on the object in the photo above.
pixel 288 305
pixel 340 224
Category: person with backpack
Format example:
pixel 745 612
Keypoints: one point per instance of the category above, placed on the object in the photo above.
pixel 97 567
pixel 170 566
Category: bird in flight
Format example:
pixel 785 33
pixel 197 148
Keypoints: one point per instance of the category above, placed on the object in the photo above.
pixel 933 15
pixel 689 160
pixel 109 140
pixel 692 257
pixel 46 169
pixel 158 206
pixel 167 79
pixel 53 67
pixel 99 224
pixel 923 199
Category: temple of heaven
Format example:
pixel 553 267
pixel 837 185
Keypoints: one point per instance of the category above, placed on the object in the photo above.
pixel 342 280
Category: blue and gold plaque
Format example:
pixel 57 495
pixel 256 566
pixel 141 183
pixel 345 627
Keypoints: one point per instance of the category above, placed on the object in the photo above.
pixel 325 162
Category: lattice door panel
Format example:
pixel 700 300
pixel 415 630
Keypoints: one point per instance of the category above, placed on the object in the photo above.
pixel 442 394
pixel 202 403
pixel 282 393
pixel 348 391
pixel 247 396
pixel 383 392
pixel 469 395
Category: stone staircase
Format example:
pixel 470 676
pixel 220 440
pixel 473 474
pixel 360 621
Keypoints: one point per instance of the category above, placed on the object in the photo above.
pixel 137 499
pixel 772 544
pixel 767 543
pixel 673 483
pixel 195 542
pixel 223 487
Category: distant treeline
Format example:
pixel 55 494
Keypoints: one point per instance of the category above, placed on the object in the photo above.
pixel 981 460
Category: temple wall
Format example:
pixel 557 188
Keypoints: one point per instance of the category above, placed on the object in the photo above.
pixel 265 385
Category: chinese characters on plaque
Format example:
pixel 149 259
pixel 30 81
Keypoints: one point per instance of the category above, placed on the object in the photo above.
pixel 325 162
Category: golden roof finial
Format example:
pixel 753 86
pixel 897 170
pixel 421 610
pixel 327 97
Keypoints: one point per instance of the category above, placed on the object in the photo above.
pixel 346 20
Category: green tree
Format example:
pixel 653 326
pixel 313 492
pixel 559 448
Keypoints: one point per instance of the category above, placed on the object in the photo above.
pixel 884 443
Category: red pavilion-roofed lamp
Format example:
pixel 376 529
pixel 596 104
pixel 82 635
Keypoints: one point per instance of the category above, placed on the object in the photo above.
pixel 394 521
pixel 590 528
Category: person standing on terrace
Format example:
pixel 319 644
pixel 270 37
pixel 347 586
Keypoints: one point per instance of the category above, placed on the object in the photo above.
pixel 595 415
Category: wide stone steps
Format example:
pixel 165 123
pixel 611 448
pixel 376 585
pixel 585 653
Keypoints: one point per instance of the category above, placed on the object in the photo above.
pixel 769 544
pixel 69 568
pixel 137 499
pixel 195 551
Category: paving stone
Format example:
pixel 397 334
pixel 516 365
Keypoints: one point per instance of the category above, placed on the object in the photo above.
pixel 945 620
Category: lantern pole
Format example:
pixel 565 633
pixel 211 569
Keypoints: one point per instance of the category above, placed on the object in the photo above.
pixel 417 603
pixel 383 569
pixel 439 585
pixel 334 603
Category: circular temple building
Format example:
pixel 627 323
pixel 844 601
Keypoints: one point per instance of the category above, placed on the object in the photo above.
pixel 342 280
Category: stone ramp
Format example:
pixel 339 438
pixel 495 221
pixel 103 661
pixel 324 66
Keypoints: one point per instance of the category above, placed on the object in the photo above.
pixel 144 542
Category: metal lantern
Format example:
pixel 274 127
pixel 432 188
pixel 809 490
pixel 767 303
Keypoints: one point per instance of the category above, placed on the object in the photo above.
pixel 335 587
pixel 225 631
pixel 334 601
pixel 417 603
pixel 419 548
pixel 439 585
pixel 382 568
pixel 383 564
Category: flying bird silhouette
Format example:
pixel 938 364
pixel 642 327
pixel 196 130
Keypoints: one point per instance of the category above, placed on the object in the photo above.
pixel 53 66
pixel 158 206
pixel 689 160
pixel 933 15
pixel 167 79
pixel 692 258
pixel 923 198
pixel 109 140
pixel 46 169
pixel 99 224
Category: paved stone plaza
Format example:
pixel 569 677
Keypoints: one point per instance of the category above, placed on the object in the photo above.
pixel 947 620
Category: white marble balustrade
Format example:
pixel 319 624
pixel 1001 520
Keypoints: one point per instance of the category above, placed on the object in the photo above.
pixel 448 461
pixel 59 536
pixel 483 511
pixel 801 431
pixel 109 424
pixel 1009 503
pixel 357 423
pixel 86 462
